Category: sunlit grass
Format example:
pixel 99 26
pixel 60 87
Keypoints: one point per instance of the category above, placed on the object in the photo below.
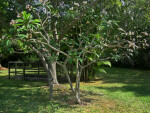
pixel 129 88
pixel 120 90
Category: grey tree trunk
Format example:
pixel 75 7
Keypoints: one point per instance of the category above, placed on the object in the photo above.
pixel 48 71
pixel 52 64
pixel 55 35
pixel 54 73
pixel 50 78
pixel 68 78
pixel 77 93
pixel 77 89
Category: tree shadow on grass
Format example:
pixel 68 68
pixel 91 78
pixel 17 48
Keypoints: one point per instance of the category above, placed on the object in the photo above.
pixel 26 96
pixel 136 81
pixel 23 97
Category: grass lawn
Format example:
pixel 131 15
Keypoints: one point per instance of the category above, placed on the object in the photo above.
pixel 120 90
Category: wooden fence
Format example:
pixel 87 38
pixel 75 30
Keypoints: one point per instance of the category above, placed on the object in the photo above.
pixel 35 71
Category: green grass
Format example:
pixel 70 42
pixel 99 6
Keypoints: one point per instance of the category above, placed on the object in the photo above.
pixel 120 90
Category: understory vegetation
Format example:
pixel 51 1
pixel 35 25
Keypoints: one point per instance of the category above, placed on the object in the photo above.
pixel 120 90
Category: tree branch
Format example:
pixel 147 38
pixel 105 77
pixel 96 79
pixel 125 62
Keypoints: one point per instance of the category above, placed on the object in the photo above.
pixel 74 22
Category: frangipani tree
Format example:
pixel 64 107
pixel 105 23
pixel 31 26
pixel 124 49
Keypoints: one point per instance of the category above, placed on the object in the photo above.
pixel 42 36
pixel 50 35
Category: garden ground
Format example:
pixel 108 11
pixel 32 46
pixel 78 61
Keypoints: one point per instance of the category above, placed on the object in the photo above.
pixel 120 90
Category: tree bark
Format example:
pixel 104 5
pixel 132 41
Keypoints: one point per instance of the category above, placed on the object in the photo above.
pixel 55 36
pixel 68 78
pixel 52 64
pixel 77 92
pixel 1 66
pixel 77 89
pixel 48 71
pixel 50 82
pixel 50 78
pixel 54 73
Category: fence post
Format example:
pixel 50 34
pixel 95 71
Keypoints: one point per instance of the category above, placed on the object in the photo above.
pixel 38 68
pixel 15 69
pixel 8 71
pixel 24 71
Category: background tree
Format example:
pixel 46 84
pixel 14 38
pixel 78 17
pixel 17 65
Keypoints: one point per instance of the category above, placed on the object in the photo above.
pixel 132 16
pixel 9 9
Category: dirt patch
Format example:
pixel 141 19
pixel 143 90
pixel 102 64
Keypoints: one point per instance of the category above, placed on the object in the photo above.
pixel 2 68
pixel 59 86
pixel 83 102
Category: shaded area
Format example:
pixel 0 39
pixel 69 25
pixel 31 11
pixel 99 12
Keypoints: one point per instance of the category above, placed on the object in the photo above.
pixel 136 81
pixel 23 97
pixel 17 96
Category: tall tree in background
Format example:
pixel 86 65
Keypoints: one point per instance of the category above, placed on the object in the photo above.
pixel 133 17
pixel 8 10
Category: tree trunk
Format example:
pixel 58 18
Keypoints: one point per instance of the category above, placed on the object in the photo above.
pixel 50 83
pixel 1 66
pixel 54 74
pixel 87 71
pixel 68 78
pixel 55 35
pixel 50 78
pixel 77 93
pixel 77 89
pixel 48 71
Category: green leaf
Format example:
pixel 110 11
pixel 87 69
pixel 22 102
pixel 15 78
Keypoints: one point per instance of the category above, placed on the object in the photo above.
pixel 24 15
pixel 18 24
pixel 35 21
pixel 28 16
pixel 37 24
pixel 102 70
pixel 104 63
pixel 80 59
pixel 7 42
pixel 19 20
pixel 107 63
pixel 99 63
pixel 97 35
pixel 90 58
pixel 21 36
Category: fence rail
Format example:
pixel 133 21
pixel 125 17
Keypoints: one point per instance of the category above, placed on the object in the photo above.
pixel 37 72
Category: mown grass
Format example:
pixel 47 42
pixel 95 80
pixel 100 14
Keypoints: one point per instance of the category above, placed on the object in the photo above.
pixel 120 90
